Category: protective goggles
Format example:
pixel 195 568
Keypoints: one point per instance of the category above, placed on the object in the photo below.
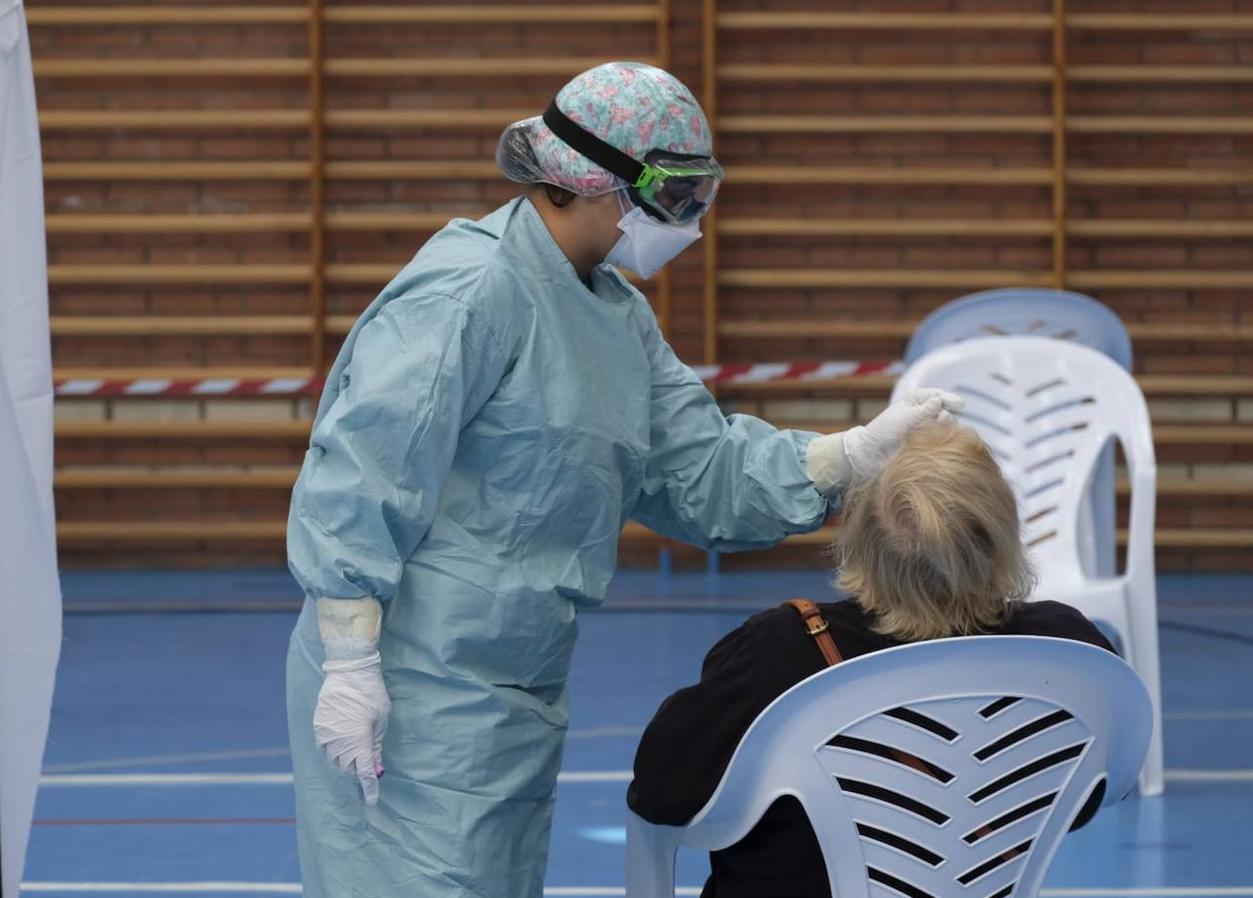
pixel 672 187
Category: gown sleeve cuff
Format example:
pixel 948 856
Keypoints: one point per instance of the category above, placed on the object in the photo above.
pixel 349 628
pixel 827 465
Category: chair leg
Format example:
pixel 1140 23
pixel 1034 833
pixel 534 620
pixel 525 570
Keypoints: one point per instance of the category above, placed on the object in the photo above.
pixel 1136 627
pixel 650 859
pixel 1143 646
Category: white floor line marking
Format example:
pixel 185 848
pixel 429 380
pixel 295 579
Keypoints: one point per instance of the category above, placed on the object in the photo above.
pixel 167 779
pixel 1209 715
pixel 107 780
pixel 1210 776
pixel 243 754
pixel 595 892
pixel 293 888
pixel 1153 892
pixel 279 888
pixel 607 732
pixel 112 780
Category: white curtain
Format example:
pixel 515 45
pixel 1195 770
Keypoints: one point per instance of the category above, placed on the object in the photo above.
pixel 30 594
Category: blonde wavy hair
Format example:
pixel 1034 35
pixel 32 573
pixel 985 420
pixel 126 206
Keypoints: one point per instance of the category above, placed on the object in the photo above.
pixel 931 546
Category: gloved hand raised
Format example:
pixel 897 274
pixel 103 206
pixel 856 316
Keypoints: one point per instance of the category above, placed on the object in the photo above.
pixel 350 719
pixel 836 460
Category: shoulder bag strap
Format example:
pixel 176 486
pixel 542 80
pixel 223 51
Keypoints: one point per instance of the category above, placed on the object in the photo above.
pixel 818 628
pixel 816 624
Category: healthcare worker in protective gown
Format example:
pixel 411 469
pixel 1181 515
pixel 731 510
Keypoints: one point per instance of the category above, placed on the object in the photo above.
pixel 498 413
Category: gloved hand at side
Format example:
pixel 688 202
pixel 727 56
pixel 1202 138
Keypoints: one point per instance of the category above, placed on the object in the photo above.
pixel 835 461
pixel 351 715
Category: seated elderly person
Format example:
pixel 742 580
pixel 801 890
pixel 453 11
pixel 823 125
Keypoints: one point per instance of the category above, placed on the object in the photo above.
pixel 927 549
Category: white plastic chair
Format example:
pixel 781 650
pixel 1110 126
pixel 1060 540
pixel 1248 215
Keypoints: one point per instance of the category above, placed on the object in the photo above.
pixel 1027 312
pixel 1019 731
pixel 1042 312
pixel 1048 409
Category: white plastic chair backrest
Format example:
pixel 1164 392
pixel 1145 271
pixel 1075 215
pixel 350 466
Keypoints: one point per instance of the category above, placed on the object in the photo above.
pixel 1042 312
pixel 1023 311
pixel 1046 409
pixel 1019 731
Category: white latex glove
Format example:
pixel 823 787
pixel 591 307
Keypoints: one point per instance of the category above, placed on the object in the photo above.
pixel 827 465
pixel 835 460
pixel 350 719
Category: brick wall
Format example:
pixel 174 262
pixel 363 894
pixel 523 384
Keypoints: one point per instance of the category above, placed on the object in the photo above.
pixel 972 203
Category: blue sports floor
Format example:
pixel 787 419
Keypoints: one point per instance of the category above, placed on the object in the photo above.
pixel 167 767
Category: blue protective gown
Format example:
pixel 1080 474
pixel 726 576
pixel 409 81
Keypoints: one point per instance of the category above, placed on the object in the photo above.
pixel 488 427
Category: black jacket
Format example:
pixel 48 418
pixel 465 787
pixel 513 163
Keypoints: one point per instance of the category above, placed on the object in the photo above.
pixel 687 746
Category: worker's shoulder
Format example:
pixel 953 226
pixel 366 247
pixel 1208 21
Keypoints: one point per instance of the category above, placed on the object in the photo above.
pixel 470 291
pixel 462 267
pixel 460 261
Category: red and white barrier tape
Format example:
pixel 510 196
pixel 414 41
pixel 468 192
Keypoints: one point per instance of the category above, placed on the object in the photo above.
pixel 225 387
pixel 205 389
pixel 772 371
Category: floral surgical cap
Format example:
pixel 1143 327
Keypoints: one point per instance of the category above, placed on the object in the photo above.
pixel 634 107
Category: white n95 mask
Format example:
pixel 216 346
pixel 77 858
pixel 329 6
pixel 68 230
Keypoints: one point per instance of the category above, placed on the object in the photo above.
pixel 646 244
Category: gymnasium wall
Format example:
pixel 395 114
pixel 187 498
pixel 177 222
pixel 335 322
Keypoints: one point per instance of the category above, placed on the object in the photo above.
pixel 227 186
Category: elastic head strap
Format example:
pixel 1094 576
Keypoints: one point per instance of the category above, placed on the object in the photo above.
pixel 588 144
